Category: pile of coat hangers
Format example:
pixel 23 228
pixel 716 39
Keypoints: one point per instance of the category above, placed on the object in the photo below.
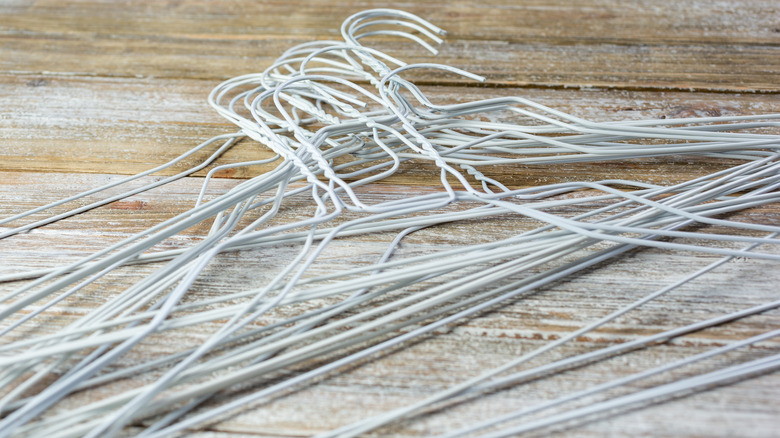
pixel 339 115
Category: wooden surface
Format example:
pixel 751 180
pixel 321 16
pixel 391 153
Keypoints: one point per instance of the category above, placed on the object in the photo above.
pixel 91 89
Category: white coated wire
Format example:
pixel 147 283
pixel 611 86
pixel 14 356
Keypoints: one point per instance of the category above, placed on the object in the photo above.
pixel 339 115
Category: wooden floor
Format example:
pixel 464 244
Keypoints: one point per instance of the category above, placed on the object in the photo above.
pixel 94 89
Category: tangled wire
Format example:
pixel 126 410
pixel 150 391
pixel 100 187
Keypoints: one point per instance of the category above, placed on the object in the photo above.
pixel 339 115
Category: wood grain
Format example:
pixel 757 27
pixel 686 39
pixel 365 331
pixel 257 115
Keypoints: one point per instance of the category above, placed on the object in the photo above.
pixel 126 126
pixel 724 46
pixel 451 355
pixel 92 90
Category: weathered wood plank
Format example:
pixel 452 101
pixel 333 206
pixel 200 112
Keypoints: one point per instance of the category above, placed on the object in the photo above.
pixel 126 126
pixel 653 21
pixel 732 47
pixel 454 354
